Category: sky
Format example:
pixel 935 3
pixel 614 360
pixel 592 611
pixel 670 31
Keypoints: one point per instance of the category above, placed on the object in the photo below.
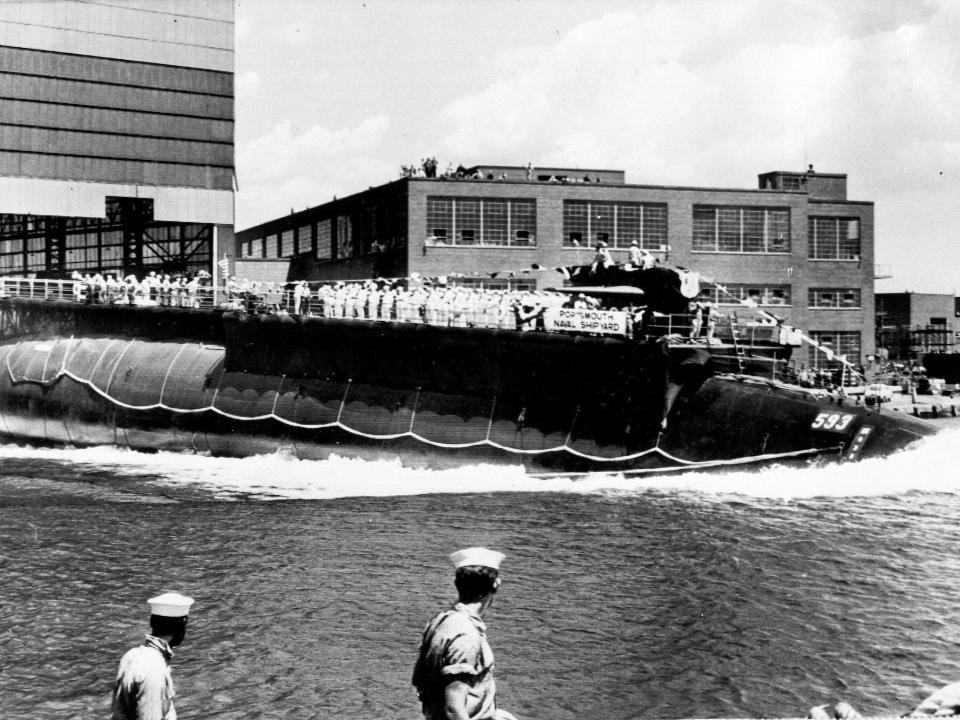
pixel 333 96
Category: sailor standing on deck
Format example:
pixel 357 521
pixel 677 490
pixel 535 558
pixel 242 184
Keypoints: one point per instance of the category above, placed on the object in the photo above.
pixel 144 688
pixel 454 671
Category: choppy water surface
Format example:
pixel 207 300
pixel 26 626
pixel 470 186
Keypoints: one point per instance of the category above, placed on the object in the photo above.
pixel 736 595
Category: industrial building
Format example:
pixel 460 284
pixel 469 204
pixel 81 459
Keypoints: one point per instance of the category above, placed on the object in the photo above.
pixel 794 244
pixel 910 325
pixel 116 136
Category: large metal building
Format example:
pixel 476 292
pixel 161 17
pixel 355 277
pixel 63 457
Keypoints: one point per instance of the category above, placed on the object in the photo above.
pixel 116 135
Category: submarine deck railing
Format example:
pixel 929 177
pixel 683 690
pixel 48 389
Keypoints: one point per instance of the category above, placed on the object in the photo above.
pixel 203 297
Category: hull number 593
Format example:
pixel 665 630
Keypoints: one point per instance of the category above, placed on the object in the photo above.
pixel 837 422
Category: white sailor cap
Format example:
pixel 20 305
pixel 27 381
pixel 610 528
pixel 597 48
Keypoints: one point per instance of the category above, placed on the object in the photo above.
pixel 170 604
pixel 477 556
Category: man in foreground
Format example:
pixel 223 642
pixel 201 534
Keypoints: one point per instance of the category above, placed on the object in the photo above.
pixel 144 688
pixel 454 672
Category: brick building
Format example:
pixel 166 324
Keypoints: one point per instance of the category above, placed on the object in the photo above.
pixel 795 244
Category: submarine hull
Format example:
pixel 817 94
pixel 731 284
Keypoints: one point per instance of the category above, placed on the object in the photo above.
pixel 239 385
pixel 198 406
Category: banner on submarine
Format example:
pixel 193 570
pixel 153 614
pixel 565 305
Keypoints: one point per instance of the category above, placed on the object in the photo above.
pixel 599 322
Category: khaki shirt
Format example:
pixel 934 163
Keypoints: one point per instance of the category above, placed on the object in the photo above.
pixel 455 646
pixel 144 687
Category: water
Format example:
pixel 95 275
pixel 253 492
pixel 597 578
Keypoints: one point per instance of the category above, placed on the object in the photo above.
pixel 743 594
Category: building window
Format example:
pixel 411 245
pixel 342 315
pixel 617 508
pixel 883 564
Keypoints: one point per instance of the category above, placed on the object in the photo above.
pixel 82 250
pixel 616 223
pixel 488 222
pixel 111 251
pixel 286 243
pixel 271 245
pixel 834 298
pixel 324 239
pixel 495 283
pixel 830 238
pixel 11 256
pixel 303 240
pixel 345 246
pixel 840 343
pixel 730 229
pixel 736 293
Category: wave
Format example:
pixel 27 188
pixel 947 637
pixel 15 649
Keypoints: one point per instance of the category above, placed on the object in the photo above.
pixel 923 467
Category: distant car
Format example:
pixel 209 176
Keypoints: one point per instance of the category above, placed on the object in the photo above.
pixel 877 393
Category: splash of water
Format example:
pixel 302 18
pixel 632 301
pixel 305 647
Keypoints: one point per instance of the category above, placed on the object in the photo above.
pixel 924 468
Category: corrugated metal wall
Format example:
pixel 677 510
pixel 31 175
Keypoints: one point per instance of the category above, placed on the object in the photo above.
pixel 118 91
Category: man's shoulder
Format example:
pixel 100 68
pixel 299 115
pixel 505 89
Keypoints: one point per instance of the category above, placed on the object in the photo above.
pixel 453 621
pixel 143 658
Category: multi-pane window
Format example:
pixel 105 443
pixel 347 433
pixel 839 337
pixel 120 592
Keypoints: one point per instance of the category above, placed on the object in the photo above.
pixel 467 222
pixel 734 229
pixel 286 243
pixel 271 243
pixel 96 245
pixel 36 259
pixel 735 293
pixel 488 222
pixel 111 251
pixel 830 238
pixel 345 245
pixel 81 250
pixel 834 298
pixel 324 239
pixel 495 225
pixel 11 255
pixel 303 239
pixel 840 343
pixel 495 283
pixel 177 244
pixel 616 223
pixel 256 248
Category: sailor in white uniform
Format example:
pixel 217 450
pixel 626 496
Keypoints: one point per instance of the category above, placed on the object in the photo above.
pixel 454 671
pixel 144 687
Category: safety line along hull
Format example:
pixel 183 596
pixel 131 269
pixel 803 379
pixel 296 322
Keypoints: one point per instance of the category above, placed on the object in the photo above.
pixel 433 396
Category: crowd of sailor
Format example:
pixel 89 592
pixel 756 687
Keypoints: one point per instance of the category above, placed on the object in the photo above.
pixel 152 289
pixel 410 300
pixel 421 301
pixel 424 302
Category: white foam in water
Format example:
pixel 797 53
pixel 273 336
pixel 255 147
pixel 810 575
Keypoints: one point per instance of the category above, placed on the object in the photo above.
pixel 926 467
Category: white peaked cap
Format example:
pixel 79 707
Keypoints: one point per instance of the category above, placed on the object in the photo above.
pixel 477 556
pixel 170 604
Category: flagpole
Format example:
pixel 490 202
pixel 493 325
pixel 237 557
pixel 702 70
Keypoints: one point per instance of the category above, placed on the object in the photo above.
pixel 215 274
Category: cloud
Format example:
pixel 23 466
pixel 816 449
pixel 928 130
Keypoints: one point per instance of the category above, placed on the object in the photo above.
pixel 287 167
pixel 247 84
pixel 715 93
pixel 634 88
pixel 685 93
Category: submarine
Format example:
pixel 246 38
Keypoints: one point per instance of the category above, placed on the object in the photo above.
pixel 234 383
